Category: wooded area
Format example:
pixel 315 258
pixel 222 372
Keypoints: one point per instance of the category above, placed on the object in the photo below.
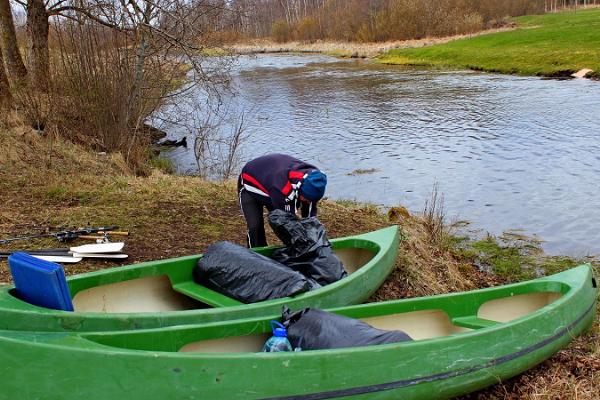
pixel 378 20
pixel 96 70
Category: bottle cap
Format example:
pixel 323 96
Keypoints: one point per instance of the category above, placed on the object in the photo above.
pixel 278 329
pixel 280 332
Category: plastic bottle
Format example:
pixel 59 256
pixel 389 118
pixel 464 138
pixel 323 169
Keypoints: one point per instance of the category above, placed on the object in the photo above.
pixel 279 340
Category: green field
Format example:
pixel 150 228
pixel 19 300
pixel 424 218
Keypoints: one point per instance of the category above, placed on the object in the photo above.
pixel 544 45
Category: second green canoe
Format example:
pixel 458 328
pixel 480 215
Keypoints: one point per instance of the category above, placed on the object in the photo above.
pixel 462 342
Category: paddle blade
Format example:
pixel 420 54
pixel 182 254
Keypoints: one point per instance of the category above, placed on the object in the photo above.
pixel 99 248
pixel 58 259
pixel 115 256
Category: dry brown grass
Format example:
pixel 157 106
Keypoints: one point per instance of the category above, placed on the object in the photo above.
pixel 572 373
pixel 345 49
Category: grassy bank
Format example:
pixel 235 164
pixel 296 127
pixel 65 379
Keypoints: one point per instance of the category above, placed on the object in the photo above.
pixel 544 45
pixel 45 181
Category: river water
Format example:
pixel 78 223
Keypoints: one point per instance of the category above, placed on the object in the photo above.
pixel 507 153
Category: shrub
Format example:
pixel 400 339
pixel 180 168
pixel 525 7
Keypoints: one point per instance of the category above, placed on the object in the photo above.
pixel 308 30
pixel 281 32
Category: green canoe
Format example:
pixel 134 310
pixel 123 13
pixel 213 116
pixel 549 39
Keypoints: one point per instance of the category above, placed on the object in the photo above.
pixel 462 342
pixel 162 293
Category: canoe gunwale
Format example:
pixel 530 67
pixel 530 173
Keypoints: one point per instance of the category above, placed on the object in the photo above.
pixel 333 286
pixel 538 286
pixel 85 339
pixel 382 243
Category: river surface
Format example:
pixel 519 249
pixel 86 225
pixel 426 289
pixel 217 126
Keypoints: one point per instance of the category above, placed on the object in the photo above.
pixel 507 153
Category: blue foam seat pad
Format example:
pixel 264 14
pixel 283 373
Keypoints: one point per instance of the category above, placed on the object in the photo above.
pixel 39 282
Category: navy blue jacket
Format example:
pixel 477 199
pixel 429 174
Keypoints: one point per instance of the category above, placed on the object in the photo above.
pixel 275 180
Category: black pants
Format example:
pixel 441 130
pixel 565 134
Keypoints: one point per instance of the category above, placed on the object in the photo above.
pixel 252 208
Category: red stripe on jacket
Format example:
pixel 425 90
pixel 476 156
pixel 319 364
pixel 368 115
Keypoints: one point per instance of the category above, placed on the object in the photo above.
pixel 287 188
pixel 253 181
pixel 296 175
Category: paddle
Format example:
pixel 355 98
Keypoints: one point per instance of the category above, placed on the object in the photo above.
pixel 58 254
pixel 86 248
pixel 63 259
pixel 101 250
pixel 116 256
pixel 66 235
pixel 104 237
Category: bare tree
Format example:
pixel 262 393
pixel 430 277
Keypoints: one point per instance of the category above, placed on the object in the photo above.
pixel 5 96
pixel 231 159
pixel 167 21
pixel 372 20
pixel 217 151
pixel 113 68
pixel 8 44
pixel 38 61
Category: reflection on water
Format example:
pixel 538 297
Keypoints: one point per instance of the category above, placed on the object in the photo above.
pixel 507 152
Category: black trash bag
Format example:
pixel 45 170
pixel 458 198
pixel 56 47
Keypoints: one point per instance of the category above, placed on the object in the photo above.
pixel 307 248
pixel 314 329
pixel 312 284
pixel 245 275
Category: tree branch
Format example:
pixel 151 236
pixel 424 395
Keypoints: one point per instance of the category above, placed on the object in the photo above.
pixel 55 5
pixel 23 3
pixel 60 10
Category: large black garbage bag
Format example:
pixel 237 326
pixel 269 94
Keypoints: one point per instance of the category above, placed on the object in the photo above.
pixel 307 248
pixel 314 329
pixel 245 275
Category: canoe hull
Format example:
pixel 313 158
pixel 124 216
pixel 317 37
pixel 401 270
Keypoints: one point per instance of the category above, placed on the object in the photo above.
pixel 104 365
pixel 18 315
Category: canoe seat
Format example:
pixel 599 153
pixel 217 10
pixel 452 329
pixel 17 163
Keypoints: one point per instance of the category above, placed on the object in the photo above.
pixel 205 295
pixel 473 322
pixel 41 283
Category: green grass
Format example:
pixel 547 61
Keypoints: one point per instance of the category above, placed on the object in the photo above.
pixel 544 45
pixel 162 163
pixel 516 261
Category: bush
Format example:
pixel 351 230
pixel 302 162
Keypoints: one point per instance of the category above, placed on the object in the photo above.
pixel 308 30
pixel 471 22
pixel 281 32
pixel 93 97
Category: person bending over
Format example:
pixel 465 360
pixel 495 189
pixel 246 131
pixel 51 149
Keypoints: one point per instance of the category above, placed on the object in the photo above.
pixel 277 181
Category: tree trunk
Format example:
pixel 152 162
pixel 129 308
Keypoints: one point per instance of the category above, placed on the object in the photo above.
pixel 8 43
pixel 37 45
pixel 5 96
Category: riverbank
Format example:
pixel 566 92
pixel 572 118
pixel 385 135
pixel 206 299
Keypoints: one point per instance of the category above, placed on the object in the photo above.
pixel 551 45
pixel 46 181
pixel 347 49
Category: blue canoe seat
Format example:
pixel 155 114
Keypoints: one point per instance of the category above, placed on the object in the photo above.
pixel 39 282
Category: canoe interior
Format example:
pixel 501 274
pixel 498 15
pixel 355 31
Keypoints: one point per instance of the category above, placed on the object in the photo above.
pixel 420 318
pixel 510 308
pixel 173 292
pixel 234 344
pixel 148 294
